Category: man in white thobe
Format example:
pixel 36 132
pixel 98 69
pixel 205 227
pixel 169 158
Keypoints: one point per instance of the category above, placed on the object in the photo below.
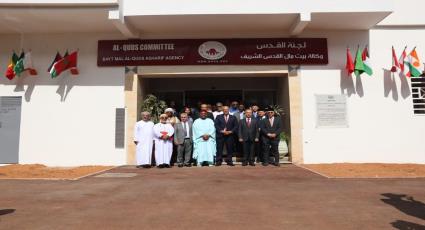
pixel 163 133
pixel 143 138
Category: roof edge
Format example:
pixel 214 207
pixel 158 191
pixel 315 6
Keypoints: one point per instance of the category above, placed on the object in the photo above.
pixel 57 3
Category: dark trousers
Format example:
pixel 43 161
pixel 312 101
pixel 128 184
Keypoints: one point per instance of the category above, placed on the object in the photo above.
pixel 270 146
pixel 221 141
pixel 259 150
pixel 248 151
pixel 184 152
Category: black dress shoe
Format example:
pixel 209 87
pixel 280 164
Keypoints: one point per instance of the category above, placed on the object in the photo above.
pixel 167 166
pixel 276 164
pixel 218 164
pixel 252 163
pixel 160 166
pixel 180 165
pixel 230 164
pixel 138 166
pixel 244 164
pixel 265 164
pixel 188 165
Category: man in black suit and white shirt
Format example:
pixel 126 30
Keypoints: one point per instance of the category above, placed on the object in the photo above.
pixel 226 127
pixel 248 136
pixel 271 127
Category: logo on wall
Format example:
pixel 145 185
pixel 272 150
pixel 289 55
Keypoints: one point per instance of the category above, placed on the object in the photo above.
pixel 212 50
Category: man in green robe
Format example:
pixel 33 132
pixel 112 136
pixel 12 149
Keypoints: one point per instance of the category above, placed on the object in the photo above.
pixel 204 146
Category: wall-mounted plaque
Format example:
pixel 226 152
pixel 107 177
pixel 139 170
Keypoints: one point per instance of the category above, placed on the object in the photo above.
pixel 10 123
pixel 331 111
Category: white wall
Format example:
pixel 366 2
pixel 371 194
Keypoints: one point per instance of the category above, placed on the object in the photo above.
pixel 406 12
pixel 382 126
pixel 172 7
pixel 60 129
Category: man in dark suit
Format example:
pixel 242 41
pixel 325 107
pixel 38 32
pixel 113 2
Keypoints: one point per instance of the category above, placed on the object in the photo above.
pixel 248 136
pixel 270 131
pixel 226 127
pixel 261 115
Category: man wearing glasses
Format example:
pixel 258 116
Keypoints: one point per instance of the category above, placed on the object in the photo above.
pixel 270 129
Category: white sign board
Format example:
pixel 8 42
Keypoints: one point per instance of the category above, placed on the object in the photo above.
pixel 331 111
pixel 10 121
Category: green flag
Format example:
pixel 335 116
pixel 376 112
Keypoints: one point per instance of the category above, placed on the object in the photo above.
pixel 359 65
pixel 19 66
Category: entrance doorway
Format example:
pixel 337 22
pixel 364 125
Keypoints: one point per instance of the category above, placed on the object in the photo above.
pixel 212 96
pixel 190 92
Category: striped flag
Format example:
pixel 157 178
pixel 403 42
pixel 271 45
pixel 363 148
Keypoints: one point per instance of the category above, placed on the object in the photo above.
pixel 10 73
pixel 414 64
pixel 366 62
pixel 25 63
pixel 396 65
pixel 402 60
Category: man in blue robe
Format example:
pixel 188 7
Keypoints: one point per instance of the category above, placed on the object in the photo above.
pixel 204 145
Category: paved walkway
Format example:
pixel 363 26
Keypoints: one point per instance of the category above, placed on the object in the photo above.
pixel 213 198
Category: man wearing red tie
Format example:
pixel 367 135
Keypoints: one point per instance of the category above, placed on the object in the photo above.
pixel 271 127
pixel 226 127
pixel 248 136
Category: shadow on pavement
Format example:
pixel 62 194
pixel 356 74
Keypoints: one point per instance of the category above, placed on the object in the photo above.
pixel 405 225
pixel 6 211
pixel 406 204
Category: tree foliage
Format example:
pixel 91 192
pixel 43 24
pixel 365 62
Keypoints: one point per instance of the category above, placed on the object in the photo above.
pixel 154 106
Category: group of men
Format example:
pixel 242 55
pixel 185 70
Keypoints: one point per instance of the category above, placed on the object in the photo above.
pixel 202 137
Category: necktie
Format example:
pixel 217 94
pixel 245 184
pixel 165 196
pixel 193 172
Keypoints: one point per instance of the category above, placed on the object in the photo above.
pixel 249 122
pixel 226 118
pixel 185 129
pixel 271 121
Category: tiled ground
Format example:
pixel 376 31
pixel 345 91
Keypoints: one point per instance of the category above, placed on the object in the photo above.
pixel 213 198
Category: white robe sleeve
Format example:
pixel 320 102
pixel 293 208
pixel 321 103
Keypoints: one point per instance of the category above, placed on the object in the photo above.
pixel 170 130
pixel 157 131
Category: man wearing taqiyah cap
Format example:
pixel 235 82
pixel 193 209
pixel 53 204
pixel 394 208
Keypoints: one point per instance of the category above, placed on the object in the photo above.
pixel 171 118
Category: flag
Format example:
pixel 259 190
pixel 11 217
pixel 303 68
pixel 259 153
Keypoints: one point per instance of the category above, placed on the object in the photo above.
pixel 349 66
pixel 366 62
pixel 57 58
pixel 414 64
pixel 67 62
pixel 402 60
pixel 28 63
pixel 24 63
pixel 19 66
pixel 10 74
pixel 358 64
pixel 396 65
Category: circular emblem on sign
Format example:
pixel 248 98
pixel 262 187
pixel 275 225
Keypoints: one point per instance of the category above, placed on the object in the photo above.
pixel 212 50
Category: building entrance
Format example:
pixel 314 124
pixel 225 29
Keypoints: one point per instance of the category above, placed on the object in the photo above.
pixel 182 92
pixel 213 96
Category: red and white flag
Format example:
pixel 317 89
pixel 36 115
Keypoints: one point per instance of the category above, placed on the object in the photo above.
pixel 396 65
pixel 402 60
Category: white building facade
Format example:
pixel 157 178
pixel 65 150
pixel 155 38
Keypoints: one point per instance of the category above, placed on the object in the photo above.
pixel 73 120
